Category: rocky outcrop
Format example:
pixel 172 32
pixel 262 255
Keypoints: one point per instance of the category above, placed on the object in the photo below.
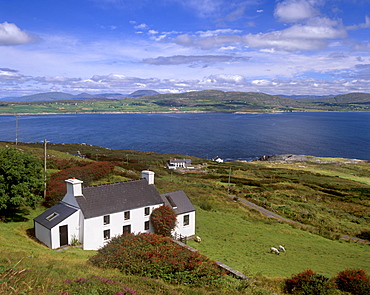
pixel 286 157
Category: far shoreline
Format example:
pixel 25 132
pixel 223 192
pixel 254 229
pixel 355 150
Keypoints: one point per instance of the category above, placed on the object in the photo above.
pixel 176 112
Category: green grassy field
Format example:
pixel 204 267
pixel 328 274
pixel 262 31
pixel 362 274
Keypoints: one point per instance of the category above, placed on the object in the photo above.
pixel 244 243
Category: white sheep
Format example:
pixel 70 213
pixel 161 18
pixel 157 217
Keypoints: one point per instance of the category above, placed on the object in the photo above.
pixel 281 248
pixel 198 239
pixel 274 250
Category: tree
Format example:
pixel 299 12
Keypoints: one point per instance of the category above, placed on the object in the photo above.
pixel 21 179
pixel 163 220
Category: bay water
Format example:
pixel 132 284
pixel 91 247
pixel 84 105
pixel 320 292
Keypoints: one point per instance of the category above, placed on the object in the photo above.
pixel 205 135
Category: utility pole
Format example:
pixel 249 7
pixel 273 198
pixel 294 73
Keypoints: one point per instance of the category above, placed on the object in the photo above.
pixel 228 186
pixel 16 129
pixel 45 142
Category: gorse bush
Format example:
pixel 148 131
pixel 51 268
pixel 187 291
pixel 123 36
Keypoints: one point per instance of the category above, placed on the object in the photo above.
pixel 163 220
pixel 308 283
pixel 154 256
pixel 354 281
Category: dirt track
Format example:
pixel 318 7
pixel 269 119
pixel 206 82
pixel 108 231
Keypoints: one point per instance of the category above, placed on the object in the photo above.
pixel 274 215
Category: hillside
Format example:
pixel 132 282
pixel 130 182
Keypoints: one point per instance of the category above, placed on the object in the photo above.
pixel 195 101
pixel 329 195
pixel 54 96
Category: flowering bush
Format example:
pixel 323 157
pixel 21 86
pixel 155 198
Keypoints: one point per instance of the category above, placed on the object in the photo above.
pixel 154 256
pixel 308 283
pixel 354 281
pixel 163 220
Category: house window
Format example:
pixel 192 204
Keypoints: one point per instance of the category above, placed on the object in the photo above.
pixel 146 211
pixel 127 229
pixel 186 219
pixel 107 234
pixel 146 225
pixel 127 215
pixel 106 219
pixel 52 216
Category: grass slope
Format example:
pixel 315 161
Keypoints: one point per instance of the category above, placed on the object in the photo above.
pixel 244 244
pixel 331 195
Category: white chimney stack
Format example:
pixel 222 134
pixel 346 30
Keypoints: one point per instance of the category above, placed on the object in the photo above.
pixel 148 175
pixel 74 188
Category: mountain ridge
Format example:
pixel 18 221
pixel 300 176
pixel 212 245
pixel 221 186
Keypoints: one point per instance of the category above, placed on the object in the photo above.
pixel 54 96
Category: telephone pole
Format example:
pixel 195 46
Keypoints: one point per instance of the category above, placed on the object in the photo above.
pixel 45 142
pixel 16 129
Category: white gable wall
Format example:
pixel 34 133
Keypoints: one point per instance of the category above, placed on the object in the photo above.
pixel 50 237
pixel 43 234
pixel 185 230
pixel 93 229
pixel 73 229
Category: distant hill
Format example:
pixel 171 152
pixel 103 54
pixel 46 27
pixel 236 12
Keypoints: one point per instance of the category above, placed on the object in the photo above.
pixel 139 93
pixel 193 101
pixel 306 96
pixel 52 96
pixel 43 96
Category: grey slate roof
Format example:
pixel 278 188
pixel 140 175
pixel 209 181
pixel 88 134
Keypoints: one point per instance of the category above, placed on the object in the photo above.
pixel 63 211
pixel 117 197
pixel 181 201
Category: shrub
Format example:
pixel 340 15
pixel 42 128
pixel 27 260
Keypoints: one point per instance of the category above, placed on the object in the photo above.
pixel 163 220
pixel 354 281
pixel 365 235
pixel 308 283
pixel 154 256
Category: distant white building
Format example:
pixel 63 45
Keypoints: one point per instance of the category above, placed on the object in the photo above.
pixel 179 163
pixel 218 160
pixel 95 214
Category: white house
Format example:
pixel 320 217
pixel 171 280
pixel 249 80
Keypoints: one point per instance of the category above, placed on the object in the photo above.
pixel 95 214
pixel 218 160
pixel 179 163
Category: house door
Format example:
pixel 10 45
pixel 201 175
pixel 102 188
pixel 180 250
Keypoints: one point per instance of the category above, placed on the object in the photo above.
pixel 63 235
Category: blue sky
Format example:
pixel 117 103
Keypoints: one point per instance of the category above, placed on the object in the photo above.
pixel 302 47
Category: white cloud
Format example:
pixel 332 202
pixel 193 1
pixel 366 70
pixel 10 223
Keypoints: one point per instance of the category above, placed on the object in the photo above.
pixel 10 34
pixel 11 75
pixel 140 27
pixel 195 60
pixel 295 10
pixel 313 35
pixel 212 33
pixel 364 25
pixel 317 28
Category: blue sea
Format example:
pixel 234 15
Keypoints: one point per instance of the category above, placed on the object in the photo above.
pixel 205 135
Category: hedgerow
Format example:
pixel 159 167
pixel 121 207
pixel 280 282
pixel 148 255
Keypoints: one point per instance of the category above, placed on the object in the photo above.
pixel 155 256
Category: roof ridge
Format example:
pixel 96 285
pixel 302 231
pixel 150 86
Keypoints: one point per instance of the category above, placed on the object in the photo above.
pixel 118 182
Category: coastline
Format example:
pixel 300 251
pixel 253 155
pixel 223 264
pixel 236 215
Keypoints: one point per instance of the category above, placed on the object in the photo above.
pixel 175 112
